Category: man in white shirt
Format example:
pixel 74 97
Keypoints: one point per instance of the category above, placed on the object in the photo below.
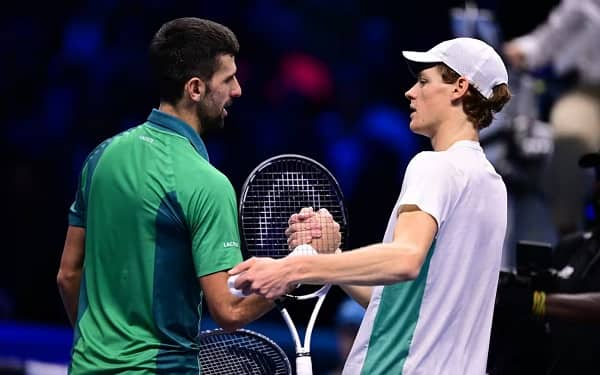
pixel 429 287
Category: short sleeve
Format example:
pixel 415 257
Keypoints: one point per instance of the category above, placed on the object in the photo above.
pixel 78 209
pixel 211 215
pixel 432 184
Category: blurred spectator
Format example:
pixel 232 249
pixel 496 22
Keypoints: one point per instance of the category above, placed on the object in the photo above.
pixel 547 322
pixel 567 40
pixel 518 143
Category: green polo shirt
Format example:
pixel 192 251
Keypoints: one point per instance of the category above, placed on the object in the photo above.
pixel 157 215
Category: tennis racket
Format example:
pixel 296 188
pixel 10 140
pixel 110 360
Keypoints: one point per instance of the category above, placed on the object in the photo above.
pixel 240 352
pixel 274 190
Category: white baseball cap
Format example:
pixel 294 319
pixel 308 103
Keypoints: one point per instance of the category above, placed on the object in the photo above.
pixel 469 57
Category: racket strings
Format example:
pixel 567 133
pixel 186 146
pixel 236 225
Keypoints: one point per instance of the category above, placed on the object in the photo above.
pixel 240 353
pixel 276 193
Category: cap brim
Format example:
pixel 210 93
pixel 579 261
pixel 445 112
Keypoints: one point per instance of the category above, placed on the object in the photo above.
pixel 421 57
pixel 418 61
pixel 589 160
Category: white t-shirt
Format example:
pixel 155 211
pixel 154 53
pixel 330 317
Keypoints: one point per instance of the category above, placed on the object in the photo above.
pixel 440 322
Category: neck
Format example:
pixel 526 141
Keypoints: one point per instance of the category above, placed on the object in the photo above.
pixel 186 114
pixel 452 132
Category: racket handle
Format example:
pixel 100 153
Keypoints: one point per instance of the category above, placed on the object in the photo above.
pixel 304 365
pixel 233 290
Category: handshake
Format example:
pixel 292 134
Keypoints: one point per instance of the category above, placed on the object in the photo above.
pixel 315 228
pixel 308 232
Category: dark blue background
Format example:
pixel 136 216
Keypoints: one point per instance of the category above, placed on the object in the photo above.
pixel 321 78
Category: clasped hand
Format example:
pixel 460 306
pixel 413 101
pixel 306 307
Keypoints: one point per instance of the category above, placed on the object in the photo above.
pixel 317 229
pixel 272 278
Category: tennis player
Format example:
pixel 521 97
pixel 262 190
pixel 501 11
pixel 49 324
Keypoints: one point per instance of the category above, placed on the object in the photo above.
pixel 154 225
pixel 429 288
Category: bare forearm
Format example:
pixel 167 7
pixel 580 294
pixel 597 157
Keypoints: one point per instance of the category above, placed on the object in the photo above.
pixel 378 264
pixel 580 307
pixel 71 269
pixel 68 286
pixel 252 308
pixel 361 294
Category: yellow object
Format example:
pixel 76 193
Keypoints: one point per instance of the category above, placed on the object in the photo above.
pixel 539 303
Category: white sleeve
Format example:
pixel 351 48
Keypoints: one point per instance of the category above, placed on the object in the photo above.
pixel 432 184
pixel 555 33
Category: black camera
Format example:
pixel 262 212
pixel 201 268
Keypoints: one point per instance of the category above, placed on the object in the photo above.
pixel 534 267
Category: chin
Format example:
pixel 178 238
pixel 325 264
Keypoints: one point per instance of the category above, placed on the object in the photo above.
pixel 420 130
pixel 415 128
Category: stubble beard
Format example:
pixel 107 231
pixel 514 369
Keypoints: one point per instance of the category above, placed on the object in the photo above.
pixel 210 122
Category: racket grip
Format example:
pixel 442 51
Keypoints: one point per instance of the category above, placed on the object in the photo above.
pixel 233 290
pixel 304 365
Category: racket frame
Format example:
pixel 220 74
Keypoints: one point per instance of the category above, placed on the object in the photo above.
pixel 281 357
pixel 303 356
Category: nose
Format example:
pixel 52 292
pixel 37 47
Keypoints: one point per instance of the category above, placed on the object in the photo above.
pixel 409 94
pixel 236 91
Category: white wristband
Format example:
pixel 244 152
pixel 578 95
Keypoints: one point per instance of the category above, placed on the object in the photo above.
pixel 232 289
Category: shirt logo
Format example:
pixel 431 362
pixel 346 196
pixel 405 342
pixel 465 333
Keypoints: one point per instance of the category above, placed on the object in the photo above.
pixel 231 244
pixel 147 139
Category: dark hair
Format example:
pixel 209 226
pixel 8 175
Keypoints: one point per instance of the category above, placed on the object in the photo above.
pixel 185 48
pixel 480 110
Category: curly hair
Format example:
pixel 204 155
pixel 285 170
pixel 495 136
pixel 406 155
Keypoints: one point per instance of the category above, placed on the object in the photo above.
pixel 480 110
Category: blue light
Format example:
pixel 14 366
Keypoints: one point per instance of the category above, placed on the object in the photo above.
pixel 82 40
pixel 389 126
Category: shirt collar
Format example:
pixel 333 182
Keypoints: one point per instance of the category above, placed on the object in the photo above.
pixel 171 123
pixel 466 143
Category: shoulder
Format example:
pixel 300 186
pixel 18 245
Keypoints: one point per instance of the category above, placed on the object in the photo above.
pixel 100 148
pixel 432 163
pixel 193 172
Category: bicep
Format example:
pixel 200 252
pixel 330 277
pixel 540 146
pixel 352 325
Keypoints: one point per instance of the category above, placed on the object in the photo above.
pixel 74 249
pixel 415 230
pixel 220 302
pixel 216 293
pixel 214 286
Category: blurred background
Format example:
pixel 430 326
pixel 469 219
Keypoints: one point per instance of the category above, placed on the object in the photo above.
pixel 325 79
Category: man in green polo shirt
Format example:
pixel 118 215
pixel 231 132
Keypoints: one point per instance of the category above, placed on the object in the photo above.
pixel 153 226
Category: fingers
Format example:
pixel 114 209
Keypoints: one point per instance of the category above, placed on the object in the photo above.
pixel 302 238
pixel 324 213
pixel 235 291
pixel 242 267
pixel 264 277
pixel 242 285
pixel 305 213
pixel 330 238
pixel 304 233
pixel 312 226
pixel 240 280
pixel 309 226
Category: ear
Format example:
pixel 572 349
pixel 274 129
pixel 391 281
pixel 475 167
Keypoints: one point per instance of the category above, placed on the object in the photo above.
pixel 195 89
pixel 461 86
